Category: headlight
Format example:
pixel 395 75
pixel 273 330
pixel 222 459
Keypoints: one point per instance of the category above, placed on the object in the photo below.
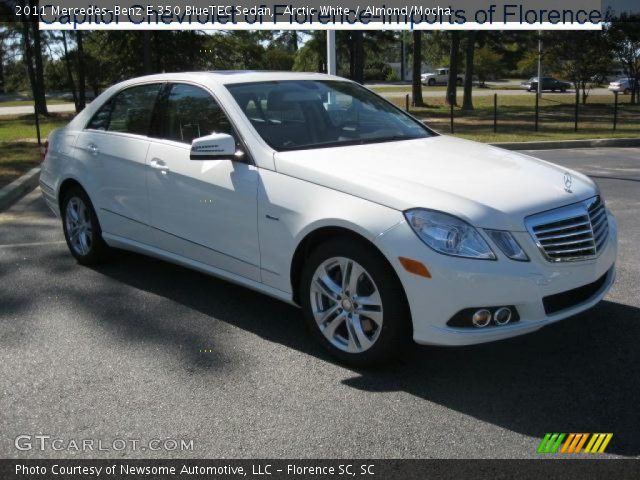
pixel 508 244
pixel 448 234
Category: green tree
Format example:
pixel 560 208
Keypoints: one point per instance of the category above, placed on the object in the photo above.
pixel 580 56
pixel 528 64
pixel 437 47
pixel 487 64
pixel 276 59
pixel 624 36
pixel 311 56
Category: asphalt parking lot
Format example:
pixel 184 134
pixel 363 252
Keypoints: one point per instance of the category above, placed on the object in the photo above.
pixel 141 349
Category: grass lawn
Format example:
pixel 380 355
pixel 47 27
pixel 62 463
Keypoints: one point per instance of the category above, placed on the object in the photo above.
pixel 18 148
pixel 21 127
pixel 406 88
pixel 516 118
pixel 17 158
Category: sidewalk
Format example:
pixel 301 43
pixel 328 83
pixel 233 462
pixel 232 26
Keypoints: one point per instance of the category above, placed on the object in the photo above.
pixel 27 109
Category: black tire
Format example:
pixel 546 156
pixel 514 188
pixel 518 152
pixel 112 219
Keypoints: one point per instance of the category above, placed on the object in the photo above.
pixel 431 82
pixel 563 90
pixel 459 82
pixel 627 91
pixel 97 249
pixel 395 331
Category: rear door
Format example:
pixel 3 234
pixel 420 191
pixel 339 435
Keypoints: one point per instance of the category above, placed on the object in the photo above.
pixel 114 148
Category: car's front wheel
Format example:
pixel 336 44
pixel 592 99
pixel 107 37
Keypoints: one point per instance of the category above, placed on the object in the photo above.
pixel 81 228
pixel 354 303
pixel 431 82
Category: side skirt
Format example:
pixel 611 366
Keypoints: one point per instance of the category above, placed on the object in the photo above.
pixel 126 244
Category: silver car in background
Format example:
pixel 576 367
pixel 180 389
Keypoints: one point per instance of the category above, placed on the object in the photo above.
pixel 622 85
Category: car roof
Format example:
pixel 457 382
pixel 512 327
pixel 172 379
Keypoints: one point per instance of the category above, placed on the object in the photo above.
pixel 235 76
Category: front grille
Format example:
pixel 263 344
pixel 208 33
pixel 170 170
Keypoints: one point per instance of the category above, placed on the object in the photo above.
pixel 575 232
pixel 571 298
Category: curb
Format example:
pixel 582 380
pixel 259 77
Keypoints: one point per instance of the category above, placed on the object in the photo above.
pixel 13 192
pixel 560 144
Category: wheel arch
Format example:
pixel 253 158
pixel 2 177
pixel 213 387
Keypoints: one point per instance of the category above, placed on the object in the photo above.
pixel 320 235
pixel 65 186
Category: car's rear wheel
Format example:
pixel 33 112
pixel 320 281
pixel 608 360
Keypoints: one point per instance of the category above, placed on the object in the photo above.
pixel 354 303
pixel 627 91
pixel 81 228
pixel 459 82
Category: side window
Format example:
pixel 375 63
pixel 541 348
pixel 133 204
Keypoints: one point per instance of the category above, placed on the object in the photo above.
pixel 128 111
pixel 191 112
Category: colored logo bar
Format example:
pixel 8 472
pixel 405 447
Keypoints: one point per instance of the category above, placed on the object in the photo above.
pixel 574 443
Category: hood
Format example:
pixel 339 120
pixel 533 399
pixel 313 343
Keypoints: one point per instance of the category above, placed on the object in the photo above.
pixel 484 185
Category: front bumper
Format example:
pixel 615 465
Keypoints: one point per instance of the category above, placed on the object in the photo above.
pixel 459 283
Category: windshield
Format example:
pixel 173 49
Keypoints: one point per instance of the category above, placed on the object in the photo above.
pixel 304 114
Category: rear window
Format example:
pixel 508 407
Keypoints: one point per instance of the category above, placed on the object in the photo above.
pixel 129 111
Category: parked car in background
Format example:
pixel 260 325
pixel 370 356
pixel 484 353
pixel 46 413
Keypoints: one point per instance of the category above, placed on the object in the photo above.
pixel 603 79
pixel 622 85
pixel 440 77
pixel 316 191
pixel 548 83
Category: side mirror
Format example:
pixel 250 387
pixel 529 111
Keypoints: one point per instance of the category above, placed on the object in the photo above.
pixel 216 146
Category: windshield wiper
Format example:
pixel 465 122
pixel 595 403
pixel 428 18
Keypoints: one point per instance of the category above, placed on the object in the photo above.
pixel 347 143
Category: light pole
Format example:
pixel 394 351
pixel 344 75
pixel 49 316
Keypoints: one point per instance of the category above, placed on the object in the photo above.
pixel 331 52
pixel 539 89
pixel 539 92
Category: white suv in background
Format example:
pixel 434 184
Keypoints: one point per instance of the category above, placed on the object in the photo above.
pixel 314 190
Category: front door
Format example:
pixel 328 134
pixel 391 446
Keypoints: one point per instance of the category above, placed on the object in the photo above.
pixel 205 210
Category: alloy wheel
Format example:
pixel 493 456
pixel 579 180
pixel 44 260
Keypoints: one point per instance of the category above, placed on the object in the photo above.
pixel 78 224
pixel 346 304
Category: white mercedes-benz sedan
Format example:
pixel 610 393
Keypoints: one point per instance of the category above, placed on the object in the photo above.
pixel 314 190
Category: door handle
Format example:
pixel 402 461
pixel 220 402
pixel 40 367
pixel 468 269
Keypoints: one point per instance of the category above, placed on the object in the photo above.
pixel 93 149
pixel 159 165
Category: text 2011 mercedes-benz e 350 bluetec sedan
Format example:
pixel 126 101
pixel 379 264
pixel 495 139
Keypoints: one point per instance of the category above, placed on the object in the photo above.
pixel 314 190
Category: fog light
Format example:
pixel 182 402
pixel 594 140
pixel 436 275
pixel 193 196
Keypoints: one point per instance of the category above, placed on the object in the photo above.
pixel 481 318
pixel 502 316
